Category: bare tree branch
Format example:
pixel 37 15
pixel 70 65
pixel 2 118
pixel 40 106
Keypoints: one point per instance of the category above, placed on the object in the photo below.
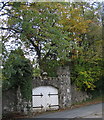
pixel 36 49
pixel 4 4
pixel 10 29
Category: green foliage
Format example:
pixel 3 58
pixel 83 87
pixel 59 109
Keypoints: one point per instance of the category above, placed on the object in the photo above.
pixel 60 33
pixel 85 74
pixel 17 72
pixel 51 67
pixel 36 72
pixel 49 28
pixel 88 63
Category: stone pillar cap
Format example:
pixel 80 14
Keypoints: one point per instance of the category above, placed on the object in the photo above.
pixel 44 73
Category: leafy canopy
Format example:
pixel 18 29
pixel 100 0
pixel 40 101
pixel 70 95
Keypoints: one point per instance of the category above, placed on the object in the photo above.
pixel 59 33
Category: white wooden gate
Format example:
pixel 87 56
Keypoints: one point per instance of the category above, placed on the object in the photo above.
pixel 45 97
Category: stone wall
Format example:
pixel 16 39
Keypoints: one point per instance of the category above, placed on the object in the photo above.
pixel 68 94
pixel 8 101
pixel 77 95
pixel 12 101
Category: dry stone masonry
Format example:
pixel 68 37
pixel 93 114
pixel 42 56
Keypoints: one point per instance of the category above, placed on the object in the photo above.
pixel 67 93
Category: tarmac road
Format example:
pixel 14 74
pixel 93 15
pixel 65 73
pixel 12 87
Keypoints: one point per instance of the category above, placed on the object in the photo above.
pixel 89 111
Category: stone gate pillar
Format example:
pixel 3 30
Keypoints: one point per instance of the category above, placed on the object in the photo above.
pixel 65 87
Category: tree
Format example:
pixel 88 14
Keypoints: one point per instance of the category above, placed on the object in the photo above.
pixel 17 72
pixel 59 33
pixel 49 29
pixel 88 65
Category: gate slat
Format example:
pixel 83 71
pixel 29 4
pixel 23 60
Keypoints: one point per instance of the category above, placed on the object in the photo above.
pixel 51 94
pixel 52 105
pixel 38 95
pixel 38 106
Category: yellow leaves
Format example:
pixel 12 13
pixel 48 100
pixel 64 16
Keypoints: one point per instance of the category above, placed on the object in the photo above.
pixel 89 85
pixel 87 79
pixel 73 21
pixel 75 11
pixel 84 73
pixel 74 56
pixel 78 26
pixel 78 39
pixel 24 7
pixel 89 21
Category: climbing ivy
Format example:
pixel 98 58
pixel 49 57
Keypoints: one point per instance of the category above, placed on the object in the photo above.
pixel 17 72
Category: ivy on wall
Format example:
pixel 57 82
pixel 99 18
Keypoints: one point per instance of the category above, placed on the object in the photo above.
pixel 17 72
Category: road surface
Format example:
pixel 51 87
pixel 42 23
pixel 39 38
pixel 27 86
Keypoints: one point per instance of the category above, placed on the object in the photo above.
pixel 89 111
